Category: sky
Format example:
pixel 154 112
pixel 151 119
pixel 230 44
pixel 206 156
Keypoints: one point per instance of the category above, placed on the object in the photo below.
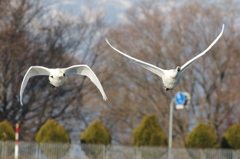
pixel 114 9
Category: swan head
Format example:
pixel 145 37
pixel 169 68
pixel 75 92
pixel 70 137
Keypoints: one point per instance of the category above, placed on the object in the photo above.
pixel 57 78
pixel 58 74
pixel 178 68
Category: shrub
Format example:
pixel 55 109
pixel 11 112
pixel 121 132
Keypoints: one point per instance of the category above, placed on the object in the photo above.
pixel 51 131
pixel 149 133
pixel 6 131
pixel 231 138
pixel 96 133
pixel 202 136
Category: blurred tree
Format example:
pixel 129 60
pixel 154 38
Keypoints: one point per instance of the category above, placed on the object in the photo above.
pixel 202 136
pixel 168 34
pixel 52 132
pixel 149 133
pixel 6 131
pixel 163 33
pixel 231 138
pixel 31 35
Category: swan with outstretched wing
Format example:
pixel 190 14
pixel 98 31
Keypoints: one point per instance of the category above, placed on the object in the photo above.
pixel 58 76
pixel 171 77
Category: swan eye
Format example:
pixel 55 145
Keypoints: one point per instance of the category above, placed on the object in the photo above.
pixel 51 76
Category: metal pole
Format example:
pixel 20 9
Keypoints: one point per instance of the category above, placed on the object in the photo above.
pixel 170 129
pixel 16 141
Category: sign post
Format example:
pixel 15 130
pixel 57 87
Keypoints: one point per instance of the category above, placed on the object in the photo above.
pixel 16 141
pixel 170 129
pixel 182 100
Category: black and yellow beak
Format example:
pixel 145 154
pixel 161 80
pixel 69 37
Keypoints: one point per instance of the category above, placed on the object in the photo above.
pixel 64 74
pixel 178 68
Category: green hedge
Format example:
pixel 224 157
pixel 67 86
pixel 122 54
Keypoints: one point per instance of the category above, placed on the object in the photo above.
pixel 52 132
pixel 231 138
pixel 6 131
pixel 202 136
pixel 149 133
pixel 7 134
pixel 96 133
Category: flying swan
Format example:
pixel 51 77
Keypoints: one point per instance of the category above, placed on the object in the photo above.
pixel 57 76
pixel 170 78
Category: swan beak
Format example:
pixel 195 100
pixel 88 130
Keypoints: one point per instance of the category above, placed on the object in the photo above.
pixel 64 74
pixel 178 68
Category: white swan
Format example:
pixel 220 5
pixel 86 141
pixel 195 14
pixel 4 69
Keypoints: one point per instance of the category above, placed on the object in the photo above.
pixel 57 76
pixel 170 78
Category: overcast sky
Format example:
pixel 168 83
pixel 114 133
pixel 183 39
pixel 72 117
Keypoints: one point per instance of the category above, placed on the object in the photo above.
pixel 114 9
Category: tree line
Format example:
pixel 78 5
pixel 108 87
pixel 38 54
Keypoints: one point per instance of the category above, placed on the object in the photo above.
pixel 147 133
pixel 160 33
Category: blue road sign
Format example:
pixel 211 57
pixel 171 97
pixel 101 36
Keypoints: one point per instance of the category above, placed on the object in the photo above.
pixel 180 98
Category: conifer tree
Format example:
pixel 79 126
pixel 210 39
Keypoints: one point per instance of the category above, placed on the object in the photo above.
pixel 51 131
pixel 96 133
pixel 6 131
pixel 50 134
pixel 7 134
pixel 149 133
pixel 202 136
pixel 231 138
